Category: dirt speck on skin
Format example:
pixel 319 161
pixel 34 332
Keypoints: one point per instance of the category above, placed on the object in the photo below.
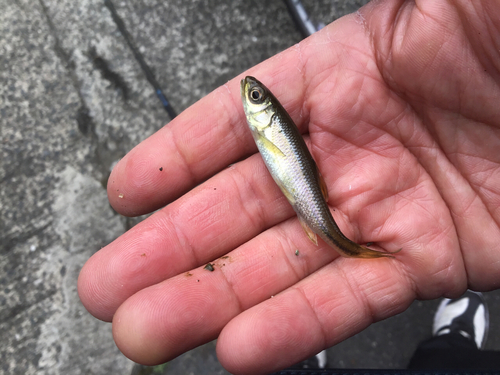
pixel 209 267
pixel 188 274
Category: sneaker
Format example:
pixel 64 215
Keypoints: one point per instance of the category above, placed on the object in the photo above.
pixel 467 315
pixel 313 363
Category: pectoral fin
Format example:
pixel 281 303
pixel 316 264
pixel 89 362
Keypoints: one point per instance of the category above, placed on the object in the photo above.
pixel 312 236
pixel 271 147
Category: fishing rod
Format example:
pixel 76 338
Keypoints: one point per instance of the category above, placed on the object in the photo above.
pixel 301 18
pixel 140 59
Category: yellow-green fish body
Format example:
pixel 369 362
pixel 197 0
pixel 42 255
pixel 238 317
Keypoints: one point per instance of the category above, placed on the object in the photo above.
pixel 292 167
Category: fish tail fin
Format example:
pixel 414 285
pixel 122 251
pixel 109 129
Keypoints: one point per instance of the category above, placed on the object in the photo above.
pixel 366 253
pixel 350 249
pixel 347 248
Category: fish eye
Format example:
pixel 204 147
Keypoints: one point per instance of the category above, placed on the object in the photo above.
pixel 256 95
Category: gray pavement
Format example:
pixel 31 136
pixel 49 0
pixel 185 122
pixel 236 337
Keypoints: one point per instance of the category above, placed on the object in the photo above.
pixel 74 100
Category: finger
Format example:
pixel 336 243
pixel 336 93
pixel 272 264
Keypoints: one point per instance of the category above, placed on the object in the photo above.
pixel 336 302
pixel 201 141
pixel 206 223
pixel 160 322
pixel 210 221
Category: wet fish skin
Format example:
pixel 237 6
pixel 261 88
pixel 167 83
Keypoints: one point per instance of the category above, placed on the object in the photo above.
pixel 292 167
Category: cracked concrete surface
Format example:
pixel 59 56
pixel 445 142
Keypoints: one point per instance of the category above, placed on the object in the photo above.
pixel 73 100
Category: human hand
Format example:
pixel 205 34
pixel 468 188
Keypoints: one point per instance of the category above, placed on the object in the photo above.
pixel 400 105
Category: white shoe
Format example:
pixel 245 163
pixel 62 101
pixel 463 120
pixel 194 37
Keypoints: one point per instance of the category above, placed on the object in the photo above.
pixel 467 315
pixel 313 363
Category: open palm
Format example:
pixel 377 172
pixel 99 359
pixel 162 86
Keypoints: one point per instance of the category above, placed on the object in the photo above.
pixel 399 104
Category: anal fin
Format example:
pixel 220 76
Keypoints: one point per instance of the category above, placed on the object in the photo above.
pixel 312 236
pixel 323 187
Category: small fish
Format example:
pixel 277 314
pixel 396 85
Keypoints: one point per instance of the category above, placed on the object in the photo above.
pixel 293 168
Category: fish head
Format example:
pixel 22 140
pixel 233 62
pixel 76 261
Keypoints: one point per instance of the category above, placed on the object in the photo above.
pixel 257 103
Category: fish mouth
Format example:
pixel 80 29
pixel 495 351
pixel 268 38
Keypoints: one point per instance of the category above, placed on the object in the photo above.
pixel 243 83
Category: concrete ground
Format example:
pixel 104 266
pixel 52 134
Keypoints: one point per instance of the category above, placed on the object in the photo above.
pixel 74 100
